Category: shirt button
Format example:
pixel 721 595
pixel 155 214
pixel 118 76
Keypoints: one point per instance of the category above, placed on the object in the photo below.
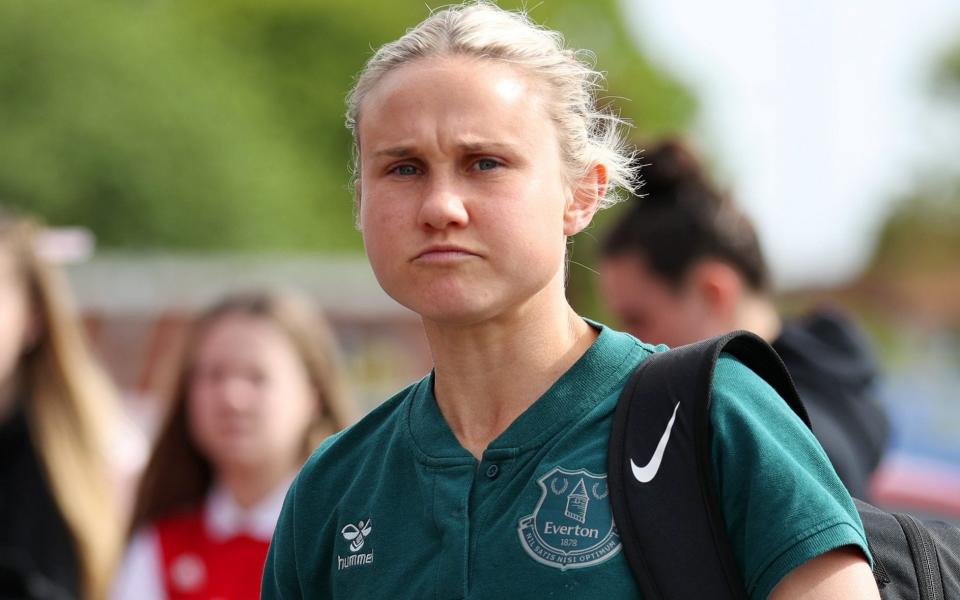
pixel 493 471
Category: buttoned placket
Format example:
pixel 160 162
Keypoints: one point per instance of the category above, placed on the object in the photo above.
pixel 459 489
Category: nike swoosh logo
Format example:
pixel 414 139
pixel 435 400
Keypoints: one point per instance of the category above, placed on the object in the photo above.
pixel 646 473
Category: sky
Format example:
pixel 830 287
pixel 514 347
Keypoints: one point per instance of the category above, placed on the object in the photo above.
pixel 816 113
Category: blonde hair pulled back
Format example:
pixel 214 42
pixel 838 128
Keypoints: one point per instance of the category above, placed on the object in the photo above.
pixel 588 134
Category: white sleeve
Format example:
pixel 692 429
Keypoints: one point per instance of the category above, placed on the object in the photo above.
pixel 139 576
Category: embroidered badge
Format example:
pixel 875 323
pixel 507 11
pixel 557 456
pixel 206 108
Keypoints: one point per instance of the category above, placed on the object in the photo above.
pixel 357 535
pixel 572 525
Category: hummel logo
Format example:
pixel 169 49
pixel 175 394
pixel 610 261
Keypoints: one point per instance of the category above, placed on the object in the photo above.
pixel 646 473
pixel 357 533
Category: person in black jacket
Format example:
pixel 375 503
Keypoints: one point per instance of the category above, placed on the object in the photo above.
pixel 59 530
pixel 684 264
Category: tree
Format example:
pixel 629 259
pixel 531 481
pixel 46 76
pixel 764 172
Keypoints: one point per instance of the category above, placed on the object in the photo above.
pixel 923 232
pixel 915 269
pixel 111 117
pixel 219 124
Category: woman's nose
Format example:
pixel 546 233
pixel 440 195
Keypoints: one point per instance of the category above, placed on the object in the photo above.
pixel 443 205
pixel 235 393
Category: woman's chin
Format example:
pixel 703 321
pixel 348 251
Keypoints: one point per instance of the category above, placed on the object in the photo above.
pixel 238 455
pixel 464 307
pixel 449 304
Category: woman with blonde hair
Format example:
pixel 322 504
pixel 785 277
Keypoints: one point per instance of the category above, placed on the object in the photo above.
pixel 480 152
pixel 258 387
pixel 59 531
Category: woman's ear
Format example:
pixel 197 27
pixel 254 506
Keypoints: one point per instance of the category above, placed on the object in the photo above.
pixel 589 189
pixel 720 289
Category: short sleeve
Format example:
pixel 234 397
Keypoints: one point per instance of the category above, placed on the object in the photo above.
pixel 140 573
pixel 782 501
pixel 280 575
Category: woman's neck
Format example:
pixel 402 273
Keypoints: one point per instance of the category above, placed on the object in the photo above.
pixel 757 313
pixel 249 486
pixel 486 375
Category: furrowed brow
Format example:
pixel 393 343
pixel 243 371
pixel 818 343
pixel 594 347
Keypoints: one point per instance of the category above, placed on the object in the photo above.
pixel 479 147
pixel 395 152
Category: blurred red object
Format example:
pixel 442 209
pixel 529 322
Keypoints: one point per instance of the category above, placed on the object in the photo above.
pixel 918 484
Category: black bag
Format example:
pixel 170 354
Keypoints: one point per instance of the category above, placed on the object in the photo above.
pixel 671 526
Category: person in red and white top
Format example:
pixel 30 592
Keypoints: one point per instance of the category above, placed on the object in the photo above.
pixel 258 387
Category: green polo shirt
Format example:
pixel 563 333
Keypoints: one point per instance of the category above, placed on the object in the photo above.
pixel 394 507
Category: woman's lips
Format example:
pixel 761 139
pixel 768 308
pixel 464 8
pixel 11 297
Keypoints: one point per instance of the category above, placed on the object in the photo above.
pixel 442 254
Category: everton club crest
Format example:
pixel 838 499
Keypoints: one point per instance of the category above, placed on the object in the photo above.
pixel 572 524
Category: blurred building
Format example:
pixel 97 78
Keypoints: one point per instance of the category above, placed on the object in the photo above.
pixel 138 307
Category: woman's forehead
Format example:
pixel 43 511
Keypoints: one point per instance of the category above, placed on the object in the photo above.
pixel 466 100
pixel 239 332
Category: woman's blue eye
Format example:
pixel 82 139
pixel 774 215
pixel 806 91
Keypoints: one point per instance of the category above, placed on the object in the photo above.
pixel 486 164
pixel 405 170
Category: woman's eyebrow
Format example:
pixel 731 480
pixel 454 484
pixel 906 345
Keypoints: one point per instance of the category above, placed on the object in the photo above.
pixel 481 146
pixel 469 147
pixel 395 152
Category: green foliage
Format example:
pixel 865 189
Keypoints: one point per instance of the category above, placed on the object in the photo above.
pixel 219 124
pixel 112 117
pixel 923 233
pixel 946 76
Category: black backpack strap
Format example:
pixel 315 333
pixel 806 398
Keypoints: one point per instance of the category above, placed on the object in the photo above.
pixel 660 470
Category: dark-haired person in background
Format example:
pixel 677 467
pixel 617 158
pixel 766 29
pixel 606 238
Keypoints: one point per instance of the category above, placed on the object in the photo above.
pixel 684 264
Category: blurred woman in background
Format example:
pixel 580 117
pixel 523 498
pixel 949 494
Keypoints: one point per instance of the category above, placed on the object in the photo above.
pixel 59 531
pixel 684 263
pixel 257 388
